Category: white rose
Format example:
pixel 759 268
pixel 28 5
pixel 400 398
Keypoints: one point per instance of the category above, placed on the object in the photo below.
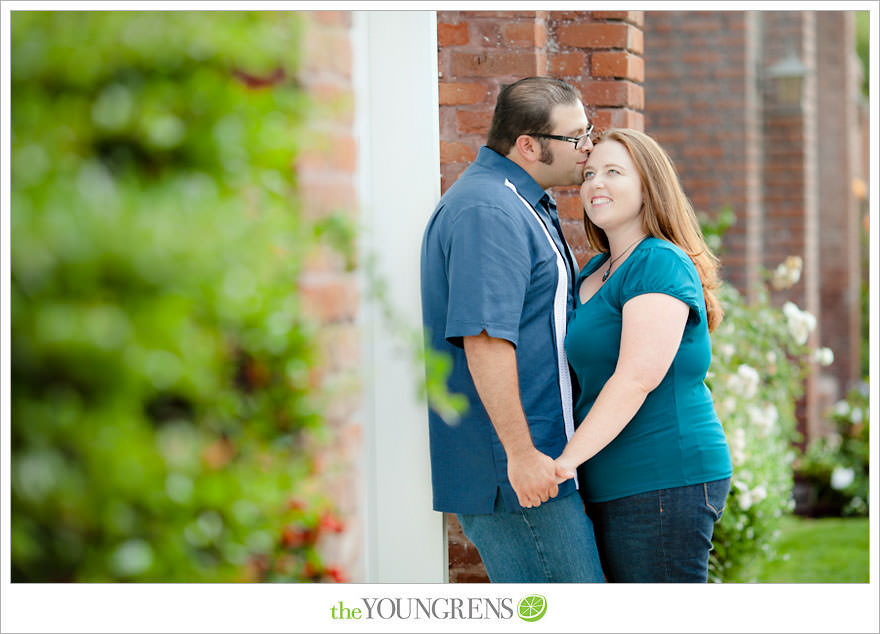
pixel 823 356
pixel 750 380
pixel 842 477
pixel 759 493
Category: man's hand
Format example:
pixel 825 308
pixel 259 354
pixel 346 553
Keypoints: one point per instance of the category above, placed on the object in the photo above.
pixel 532 475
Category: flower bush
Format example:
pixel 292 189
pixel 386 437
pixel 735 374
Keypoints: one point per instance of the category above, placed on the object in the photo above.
pixel 835 467
pixel 162 389
pixel 760 358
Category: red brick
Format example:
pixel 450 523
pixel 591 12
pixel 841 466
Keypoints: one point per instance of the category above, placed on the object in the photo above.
pixel 602 35
pixel 462 93
pixel 323 196
pixel 606 118
pixel 566 64
pixel 456 152
pixel 494 64
pixel 327 49
pixel 524 34
pixel 328 296
pixel 473 121
pixel 613 93
pixel 452 34
pixel 506 14
pixel 634 17
pixel 332 152
pixel 570 207
pixel 338 18
pixel 618 64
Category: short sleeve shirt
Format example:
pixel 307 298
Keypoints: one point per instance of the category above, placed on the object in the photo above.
pixel 675 438
pixel 487 263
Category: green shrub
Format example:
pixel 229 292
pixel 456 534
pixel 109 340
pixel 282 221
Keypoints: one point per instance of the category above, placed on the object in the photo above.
pixel 759 361
pixel 160 364
pixel 835 467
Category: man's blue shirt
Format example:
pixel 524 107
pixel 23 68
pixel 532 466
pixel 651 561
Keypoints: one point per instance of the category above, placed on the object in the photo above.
pixel 487 264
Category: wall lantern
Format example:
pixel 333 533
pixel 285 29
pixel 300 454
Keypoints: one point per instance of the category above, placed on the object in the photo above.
pixel 787 79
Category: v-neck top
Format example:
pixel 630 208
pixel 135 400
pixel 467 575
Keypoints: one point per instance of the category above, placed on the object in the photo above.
pixel 675 438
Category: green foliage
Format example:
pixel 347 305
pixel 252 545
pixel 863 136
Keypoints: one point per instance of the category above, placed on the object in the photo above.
pixel 759 362
pixel 836 466
pixel 160 362
pixel 863 40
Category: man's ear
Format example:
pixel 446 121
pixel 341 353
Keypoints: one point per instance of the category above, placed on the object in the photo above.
pixel 528 148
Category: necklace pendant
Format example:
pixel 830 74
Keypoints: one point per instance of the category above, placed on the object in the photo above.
pixel 606 273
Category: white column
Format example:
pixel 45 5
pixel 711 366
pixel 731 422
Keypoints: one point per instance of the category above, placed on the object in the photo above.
pixel 395 56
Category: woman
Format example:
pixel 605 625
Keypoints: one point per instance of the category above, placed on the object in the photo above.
pixel 656 466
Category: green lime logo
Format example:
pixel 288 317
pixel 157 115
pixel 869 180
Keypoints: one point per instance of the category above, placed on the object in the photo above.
pixel 532 607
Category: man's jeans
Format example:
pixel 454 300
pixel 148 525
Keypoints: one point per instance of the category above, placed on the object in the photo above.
pixel 551 543
pixel 659 536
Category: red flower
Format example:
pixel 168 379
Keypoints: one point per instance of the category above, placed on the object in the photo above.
pixel 296 536
pixel 336 574
pixel 295 504
pixel 329 522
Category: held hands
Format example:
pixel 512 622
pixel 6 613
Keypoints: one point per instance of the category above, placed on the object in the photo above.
pixel 565 469
pixel 533 476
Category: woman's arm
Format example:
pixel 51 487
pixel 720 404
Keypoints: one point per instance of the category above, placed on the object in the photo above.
pixel 652 327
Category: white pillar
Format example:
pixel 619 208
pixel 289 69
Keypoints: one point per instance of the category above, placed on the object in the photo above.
pixel 395 57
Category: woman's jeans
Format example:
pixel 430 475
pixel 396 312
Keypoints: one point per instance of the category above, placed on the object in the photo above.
pixel 659 536
pixel 551 543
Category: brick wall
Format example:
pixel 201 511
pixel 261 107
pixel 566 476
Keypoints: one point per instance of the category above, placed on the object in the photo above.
pixel 600 52
pixel 839 215
pixel 327 183
pixel 784 168
pixel 700 110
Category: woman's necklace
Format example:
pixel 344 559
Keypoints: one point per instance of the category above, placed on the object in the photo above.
pixel 611 263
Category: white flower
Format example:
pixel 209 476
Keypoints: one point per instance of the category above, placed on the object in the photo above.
pixel 764 418
pixel 841 408
pixel 745 500
pixel 771 357
pixel 738 439
pixel 759 493
pixel 787 273
pixel 750 380
pixel 726 350
pixel 799 322
pixel 842 477
pixel 823 356
pixel 856 415
pixel 834 441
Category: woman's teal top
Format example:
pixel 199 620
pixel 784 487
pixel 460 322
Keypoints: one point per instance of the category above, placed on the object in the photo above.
pixel 675 439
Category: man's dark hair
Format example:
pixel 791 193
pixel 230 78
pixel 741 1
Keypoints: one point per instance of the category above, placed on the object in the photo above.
pixel 524 107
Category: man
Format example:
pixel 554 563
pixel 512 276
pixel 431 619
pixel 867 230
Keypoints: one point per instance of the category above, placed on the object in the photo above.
pixel 497 290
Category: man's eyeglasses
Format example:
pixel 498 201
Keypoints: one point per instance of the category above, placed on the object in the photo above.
pixel 579 141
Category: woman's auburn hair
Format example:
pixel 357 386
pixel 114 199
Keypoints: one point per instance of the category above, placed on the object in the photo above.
pixel 668 214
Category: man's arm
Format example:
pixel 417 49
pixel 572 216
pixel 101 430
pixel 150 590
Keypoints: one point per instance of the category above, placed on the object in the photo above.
pixel 492 364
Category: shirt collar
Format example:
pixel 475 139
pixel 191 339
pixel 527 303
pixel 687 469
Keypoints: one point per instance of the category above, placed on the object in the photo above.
pixel 527 187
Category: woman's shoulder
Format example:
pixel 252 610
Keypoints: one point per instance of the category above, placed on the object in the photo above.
pixel 659 257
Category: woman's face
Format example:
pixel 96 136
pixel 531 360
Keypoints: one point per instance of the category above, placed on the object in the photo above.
pixel 612 189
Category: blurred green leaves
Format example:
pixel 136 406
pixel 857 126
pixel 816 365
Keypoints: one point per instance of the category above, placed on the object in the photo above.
pixel 160 363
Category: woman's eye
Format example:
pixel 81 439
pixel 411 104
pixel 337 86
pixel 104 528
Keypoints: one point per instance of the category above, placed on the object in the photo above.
pixel 613 171
pixel 588 175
